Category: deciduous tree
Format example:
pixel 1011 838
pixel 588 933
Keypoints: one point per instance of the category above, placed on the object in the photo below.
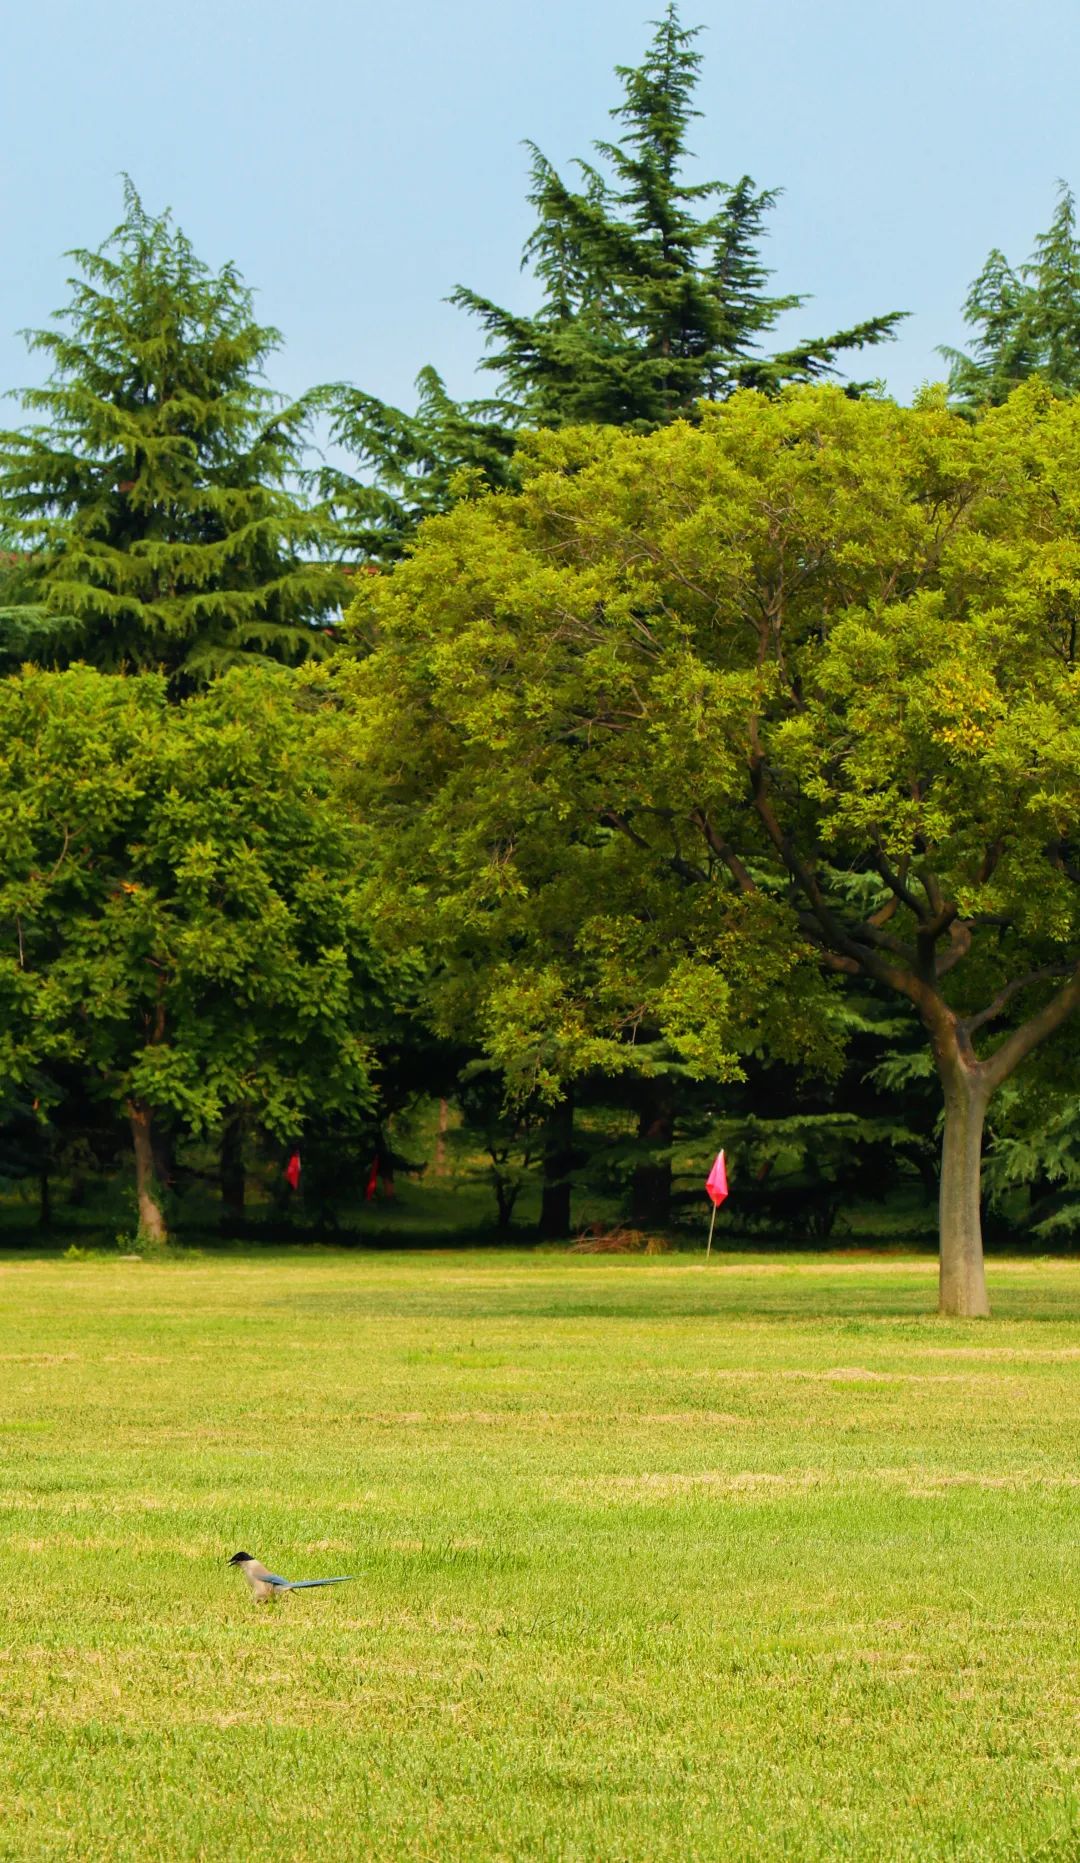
pixel 706 724
pixel 179 909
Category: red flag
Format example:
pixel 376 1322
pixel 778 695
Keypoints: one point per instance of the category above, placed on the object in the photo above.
pixel 716 1182
pixel 292 1171
pixel 373 1178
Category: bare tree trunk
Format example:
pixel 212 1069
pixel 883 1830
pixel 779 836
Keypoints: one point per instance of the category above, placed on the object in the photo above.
pixel 164 1144
pixel 962 1276
pixel 558 1165
pixel 969 1084
pixel 506 1194
pixel 231 1181
pixel 152 1227
pixel 44 1198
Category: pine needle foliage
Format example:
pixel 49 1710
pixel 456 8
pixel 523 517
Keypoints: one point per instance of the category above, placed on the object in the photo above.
pixel 153 502
pixel 655 293
pixel 1025 321
pixel 654 297
pixel 422 462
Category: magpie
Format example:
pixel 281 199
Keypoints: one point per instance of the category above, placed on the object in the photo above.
pixel 266 1584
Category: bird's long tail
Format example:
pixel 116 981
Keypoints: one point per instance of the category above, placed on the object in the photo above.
pixel 308 1584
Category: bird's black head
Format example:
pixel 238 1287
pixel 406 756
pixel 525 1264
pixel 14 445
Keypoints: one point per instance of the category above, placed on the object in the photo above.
pixel 239 1558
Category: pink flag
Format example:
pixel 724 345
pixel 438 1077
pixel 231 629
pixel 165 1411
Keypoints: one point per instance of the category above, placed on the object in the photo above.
pixel 292 1171
pixel 716 1182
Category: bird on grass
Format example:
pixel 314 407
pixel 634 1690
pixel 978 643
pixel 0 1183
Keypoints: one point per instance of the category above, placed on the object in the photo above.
pixel 266 1584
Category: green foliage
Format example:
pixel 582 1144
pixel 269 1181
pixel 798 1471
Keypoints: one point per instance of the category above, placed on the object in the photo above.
pixel 705 724
pixel 654 297
pixel 149 506
pixel 28 632
pixel 1036 1149
pixel 178 901
pixel 655 294
pixel 506 1132
pixel 1026 321
pixel 422 463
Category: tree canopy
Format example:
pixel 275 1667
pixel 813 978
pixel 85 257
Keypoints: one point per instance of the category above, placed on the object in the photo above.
pixel 1025 320
pixel 148 513
pixel 715 760
pixel 654 297
pixel 806 674
pixel 654 290
pixel 185 926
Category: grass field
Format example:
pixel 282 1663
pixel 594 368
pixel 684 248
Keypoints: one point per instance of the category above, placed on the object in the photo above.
pixel 655 1560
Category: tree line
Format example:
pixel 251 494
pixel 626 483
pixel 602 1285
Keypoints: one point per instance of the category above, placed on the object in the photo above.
pixel 682 730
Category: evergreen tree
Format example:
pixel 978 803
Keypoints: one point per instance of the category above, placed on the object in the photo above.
pixel 654 291
pixel 150 509
pixel 654 297
pixel 422 462
pixel 27 631
pixel 1025 321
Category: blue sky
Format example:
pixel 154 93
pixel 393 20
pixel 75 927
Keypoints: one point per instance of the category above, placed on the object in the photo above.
pixel 358 159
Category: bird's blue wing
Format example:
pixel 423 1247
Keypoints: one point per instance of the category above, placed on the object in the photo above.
pixel 273 1579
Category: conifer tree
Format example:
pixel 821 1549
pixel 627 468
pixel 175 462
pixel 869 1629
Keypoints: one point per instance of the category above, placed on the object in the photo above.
pixel 422 462
pixel 1026 321
pixel 655 295
pixel 151 508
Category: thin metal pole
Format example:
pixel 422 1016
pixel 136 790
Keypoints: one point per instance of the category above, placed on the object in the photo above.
pixel 712 1226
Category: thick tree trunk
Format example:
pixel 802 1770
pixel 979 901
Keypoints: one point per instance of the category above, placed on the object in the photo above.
pixel 152 1227
pixel 231 1179
pixel 44 1199
pixel 506 1195
pixel 962 1277
pixel 558 1164
pixel 164 1144
pixel 650 1189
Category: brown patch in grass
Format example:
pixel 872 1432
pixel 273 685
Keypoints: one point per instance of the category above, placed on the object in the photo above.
pixel 721 1482
pixel 598 1239
pixel 917 1483
pixel 40 1358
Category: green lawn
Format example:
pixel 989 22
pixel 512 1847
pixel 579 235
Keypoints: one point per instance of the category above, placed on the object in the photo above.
pixel 655 1560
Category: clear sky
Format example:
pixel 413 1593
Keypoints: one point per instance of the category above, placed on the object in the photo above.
pixel 357 158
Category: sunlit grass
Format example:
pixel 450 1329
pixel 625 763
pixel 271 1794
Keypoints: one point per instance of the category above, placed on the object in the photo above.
pixel 654 1560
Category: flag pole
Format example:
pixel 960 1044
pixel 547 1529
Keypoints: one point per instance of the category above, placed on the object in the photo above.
pixel 716 1186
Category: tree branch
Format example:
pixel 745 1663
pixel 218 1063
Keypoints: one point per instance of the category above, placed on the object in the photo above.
pixel 1005 995
pixel 835 935
pixel 611 818
pixel 1060 855
pixel 886 912
pixel 960 932
pixel 724 852
pixel 989 862
pixel 897 885
pixel 1020 1043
